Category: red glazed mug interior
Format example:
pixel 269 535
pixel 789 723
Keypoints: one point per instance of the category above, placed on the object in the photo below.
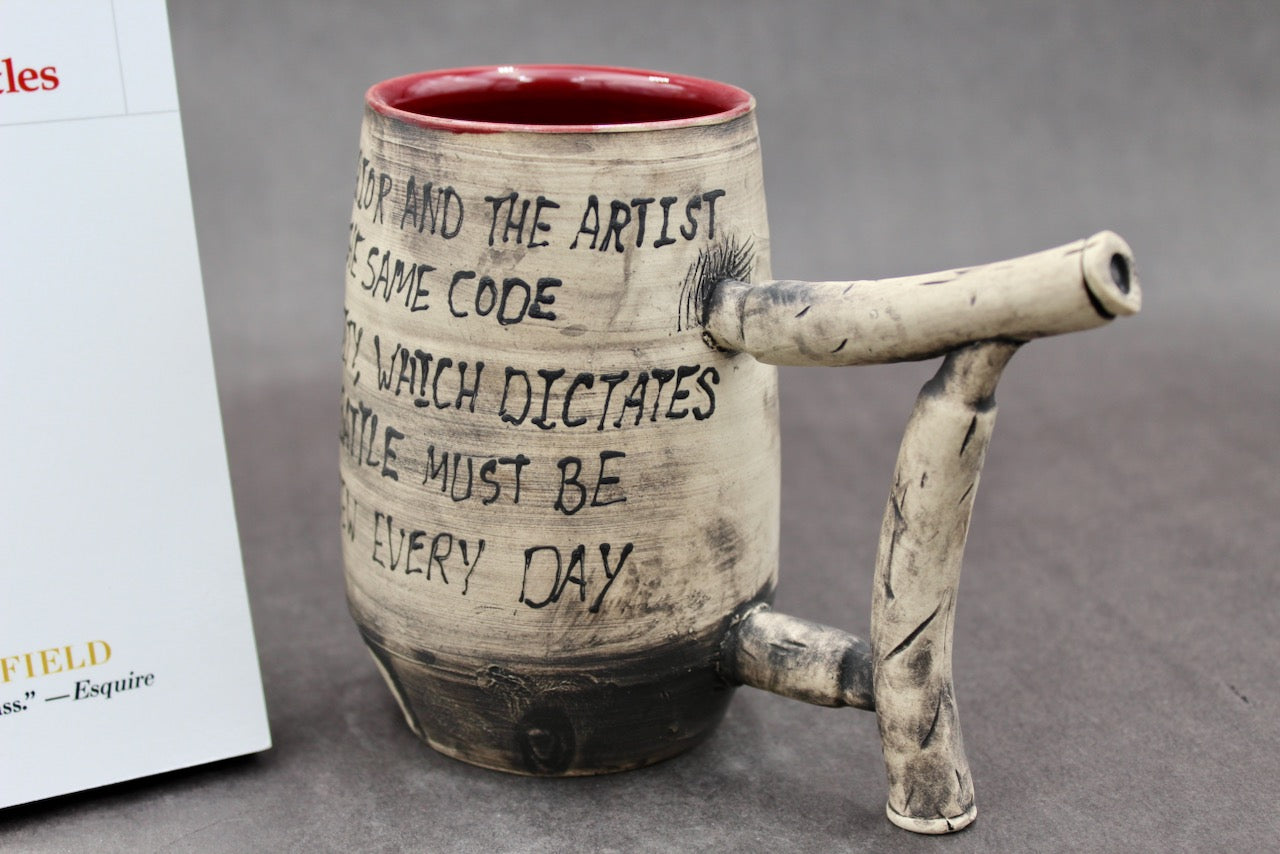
pixel 556 99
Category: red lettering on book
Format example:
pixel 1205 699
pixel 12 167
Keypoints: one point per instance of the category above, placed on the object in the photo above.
pixel 14 80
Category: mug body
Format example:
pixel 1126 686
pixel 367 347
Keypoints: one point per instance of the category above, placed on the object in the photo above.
pixel 555 494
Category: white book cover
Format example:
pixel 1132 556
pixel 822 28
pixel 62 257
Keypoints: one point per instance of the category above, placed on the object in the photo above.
pixel 126 647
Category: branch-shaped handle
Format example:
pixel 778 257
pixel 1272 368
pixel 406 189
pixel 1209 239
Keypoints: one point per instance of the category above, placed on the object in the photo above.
pixel 978 317
pixel 1066 289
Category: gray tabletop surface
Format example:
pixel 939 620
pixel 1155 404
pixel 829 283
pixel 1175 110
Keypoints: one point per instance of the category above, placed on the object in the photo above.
pixel 1117 659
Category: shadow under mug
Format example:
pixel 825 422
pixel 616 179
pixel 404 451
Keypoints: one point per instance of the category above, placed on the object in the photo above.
pixel 560 467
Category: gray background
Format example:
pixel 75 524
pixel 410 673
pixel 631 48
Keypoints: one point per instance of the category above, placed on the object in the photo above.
pixel 1116 645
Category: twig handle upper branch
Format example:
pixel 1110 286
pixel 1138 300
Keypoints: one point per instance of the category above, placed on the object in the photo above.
pixel 1067 289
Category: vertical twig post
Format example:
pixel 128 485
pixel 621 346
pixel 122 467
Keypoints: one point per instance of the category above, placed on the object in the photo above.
pixel 918 564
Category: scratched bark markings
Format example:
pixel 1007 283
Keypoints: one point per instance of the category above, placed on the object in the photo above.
pixel 978 317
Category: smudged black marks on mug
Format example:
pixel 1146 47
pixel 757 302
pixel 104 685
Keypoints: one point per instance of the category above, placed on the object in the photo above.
pixel 376 641
pixel 649 594
pixel 408 705
pixel 920 662
pixel 932 795
pixel 504 687
pixel 385 652
pixel 624 709
pixel 505 255
pixel 725 542
pixel 729 257
pixel 770 436
pixel 545 740
pixel 964 786
pixel 855 677
pixel 370 636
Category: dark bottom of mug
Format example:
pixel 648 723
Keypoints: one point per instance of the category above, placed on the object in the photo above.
pixel 587 716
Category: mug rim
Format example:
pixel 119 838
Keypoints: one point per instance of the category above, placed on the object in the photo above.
pixel 707 102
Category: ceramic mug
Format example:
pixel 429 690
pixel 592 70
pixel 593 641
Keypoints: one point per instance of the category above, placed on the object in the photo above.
pixel 560 468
